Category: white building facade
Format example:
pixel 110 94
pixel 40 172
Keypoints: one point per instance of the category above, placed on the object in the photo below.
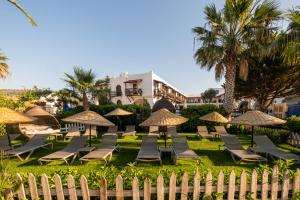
pixel 137 88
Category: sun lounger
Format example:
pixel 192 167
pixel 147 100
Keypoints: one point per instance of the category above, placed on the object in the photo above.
pixel 72 130
pixel 130 131
pixel 294 139
pixel 93 132
pixel 233 145
pixel 112 130
pixel 172 131
pixel 69 152
pixel 203 132
pixel 265 145
pixel 153 131
pixel 4 143
pixel 181 149
pixel 34 143
pixel 149 151
pixel 220 130
pixel 105 151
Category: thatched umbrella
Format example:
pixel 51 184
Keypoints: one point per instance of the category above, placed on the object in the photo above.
pixel 119 112
pixel 257 118
pixel 43 117
pixel 214 117
pixel 8 116
pixel 88 118
pixel 164 118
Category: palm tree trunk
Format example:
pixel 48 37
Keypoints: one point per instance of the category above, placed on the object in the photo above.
pixel 85 102
pixel 229 88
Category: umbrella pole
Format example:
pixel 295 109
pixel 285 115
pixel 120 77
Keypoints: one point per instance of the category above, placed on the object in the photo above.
pixel 252 136
pixel 8 137
pixel 165 137
pixel 90 135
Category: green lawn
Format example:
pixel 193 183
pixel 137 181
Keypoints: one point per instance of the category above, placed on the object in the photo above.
pixel 211 159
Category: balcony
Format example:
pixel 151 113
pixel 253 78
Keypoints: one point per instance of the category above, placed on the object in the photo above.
pixel 116 93
pixel 133 92
pixel 159 92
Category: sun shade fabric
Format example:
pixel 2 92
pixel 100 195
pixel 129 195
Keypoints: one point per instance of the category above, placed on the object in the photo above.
pixel 257 118
pixel 88 118
pixel 164 117
pixel 118 112
pixel 8 116
pixel 214 117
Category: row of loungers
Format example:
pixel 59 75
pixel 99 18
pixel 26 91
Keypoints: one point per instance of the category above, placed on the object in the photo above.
pixel 263 146
pixel 129 131
pixel 150 152
pixel 203 132
pixel 171 131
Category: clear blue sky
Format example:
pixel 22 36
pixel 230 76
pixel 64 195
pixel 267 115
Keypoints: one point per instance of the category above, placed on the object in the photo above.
pixel 109 36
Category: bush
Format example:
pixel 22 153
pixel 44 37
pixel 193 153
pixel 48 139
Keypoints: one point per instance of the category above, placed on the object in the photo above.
pixel 194 112
pixel 276 135
pixel 293 124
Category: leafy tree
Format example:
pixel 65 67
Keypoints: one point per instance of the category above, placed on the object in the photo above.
pixel 82 82
pixel 102 91
pixel 224 39
pixel 208 95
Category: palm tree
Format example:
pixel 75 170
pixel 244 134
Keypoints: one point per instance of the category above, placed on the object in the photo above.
pixel 82 82
pixel 223 39
pixel 3 66
pixel 17 5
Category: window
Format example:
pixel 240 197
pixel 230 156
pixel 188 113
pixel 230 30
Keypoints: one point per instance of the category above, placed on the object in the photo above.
pixel 119 90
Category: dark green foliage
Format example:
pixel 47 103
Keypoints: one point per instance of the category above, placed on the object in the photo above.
pixel 293 124
pixel 238 130
pixel 194 112
pixel 276 135
pixel 208 95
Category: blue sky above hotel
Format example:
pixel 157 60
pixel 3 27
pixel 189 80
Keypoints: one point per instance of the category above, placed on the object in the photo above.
pixel 109 36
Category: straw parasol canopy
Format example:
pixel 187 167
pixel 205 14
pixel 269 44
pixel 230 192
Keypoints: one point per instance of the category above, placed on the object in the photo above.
pixel 118 112
pixel 88 118
pixel 43 117
pixel 214 117
pixel 164 117
pixel 8 116
pixel 257 118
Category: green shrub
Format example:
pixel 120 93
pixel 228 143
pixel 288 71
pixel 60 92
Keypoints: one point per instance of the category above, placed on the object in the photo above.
pixel 239 129
pixel 293 124
pixel 276 135
pixel 194 112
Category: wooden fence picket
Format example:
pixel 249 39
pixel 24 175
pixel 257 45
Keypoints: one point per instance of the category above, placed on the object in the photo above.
pixel 196 192
pixel 58 188
pixel 243 186
pixel 172 187
pixel 264 185
pixel 84 188
pixel 285 186
pixel 296 184
pixel 231 186
pixel 119 188
pixel 208 184
pixel 184 186
pixel 147 189
pixel 32 187
pixel 135 189
pixel 45 187
pixel 21 191
pixel 103 189
pixel 220 185
pixel 160 188
pixel 274 184
pixel 253 186
pixel 71 188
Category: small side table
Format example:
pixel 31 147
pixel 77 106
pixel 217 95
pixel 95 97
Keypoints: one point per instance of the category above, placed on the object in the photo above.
pixel 166 151
pixel 85 150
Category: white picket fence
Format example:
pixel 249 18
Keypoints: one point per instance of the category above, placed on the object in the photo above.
pixel 268 187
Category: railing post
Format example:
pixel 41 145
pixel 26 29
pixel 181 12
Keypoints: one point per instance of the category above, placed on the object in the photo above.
pixel 172 187
pixel 21 190
pixel 71 188
pixel 196 193
pixel 147 189
pixel 160 187
pixel 45 187
pixel 184 186
pixel 264 185
pixel 59 188
pixel 231 186
pixel 254 184
pixel 32 187
pixel 274 183
pixel 220 185
pixel 296 185
pixel 243 185
pixel 208 184
pixel 119 188
pixel 135 189
pixel 103 189
pixel 285 186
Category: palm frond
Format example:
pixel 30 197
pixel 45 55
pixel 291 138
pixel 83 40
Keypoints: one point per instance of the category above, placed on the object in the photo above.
pixel 28 16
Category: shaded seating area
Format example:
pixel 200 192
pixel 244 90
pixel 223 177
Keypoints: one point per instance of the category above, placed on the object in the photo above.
pixel 105 151
pixel 34 143
pixel 149 151
pixel 237 152
pixel 70 152
pixel 72 130
pixel 220 130
pixel 266 146
pixel 112 130
pixel 172 131
pixel 203 132
pixel 129 131
pixel 4 143
pixel 181 149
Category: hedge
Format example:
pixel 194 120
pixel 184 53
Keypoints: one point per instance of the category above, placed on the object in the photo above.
pixel 293 124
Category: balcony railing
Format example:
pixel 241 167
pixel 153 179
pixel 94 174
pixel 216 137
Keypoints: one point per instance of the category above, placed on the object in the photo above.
pixel 116 93
pixel 133 92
